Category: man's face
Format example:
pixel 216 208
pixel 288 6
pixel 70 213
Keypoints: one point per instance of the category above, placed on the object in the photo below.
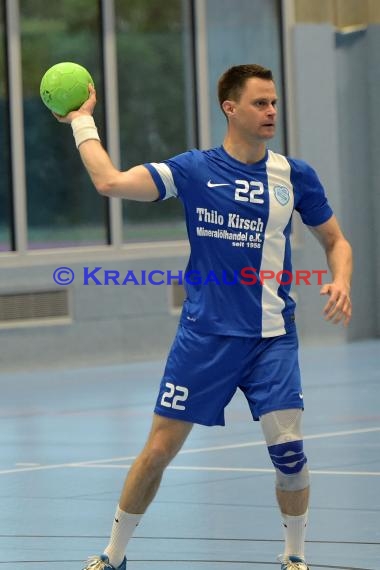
pixel 254 115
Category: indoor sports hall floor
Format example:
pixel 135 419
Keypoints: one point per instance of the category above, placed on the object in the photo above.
pixel 68 437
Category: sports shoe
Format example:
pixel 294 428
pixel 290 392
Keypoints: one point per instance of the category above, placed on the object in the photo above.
pixel 293 563
pixel 102 562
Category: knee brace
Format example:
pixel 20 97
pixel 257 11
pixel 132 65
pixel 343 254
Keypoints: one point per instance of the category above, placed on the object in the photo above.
pixel 282 431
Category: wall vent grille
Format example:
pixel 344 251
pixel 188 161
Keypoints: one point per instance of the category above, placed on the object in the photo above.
pixel 33 306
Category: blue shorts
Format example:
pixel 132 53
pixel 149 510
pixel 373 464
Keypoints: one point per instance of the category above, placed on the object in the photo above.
pixel 203 372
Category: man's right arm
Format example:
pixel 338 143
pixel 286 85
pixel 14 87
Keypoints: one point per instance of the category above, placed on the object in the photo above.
pixel 133 184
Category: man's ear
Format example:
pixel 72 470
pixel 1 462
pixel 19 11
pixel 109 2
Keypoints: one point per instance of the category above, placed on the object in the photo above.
pixel 229 107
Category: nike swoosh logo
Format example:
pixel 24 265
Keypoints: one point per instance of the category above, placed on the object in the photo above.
pixel 216 184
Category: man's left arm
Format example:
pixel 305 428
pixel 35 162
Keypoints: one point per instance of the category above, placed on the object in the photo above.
pixel 339 259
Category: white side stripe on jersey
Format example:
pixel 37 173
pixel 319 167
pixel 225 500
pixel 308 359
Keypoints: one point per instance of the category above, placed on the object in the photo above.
pixel 167 178
pixel 278 172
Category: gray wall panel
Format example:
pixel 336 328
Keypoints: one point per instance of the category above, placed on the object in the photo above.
pixel 373 34
pixel 355 125
pixel 337 120
pixel 315 88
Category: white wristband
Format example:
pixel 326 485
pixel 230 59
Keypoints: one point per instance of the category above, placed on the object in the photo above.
pixel 84 129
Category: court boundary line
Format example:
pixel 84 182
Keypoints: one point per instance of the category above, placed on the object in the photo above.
pixel 263 470
pixel 99 462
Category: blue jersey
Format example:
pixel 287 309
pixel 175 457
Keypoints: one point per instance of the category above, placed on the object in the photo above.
pixel 238 219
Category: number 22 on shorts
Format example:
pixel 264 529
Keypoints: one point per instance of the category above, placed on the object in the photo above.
pixel 173 395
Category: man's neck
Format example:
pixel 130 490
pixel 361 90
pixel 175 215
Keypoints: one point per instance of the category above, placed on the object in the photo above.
pixel 242 151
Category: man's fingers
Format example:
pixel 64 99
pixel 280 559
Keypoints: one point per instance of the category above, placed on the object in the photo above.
pixel 338 308
pixel 89 105
pixel 330 307
pixel 347 312
pixel 60 118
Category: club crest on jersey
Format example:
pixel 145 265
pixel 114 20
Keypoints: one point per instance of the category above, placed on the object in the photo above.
pixel 281 194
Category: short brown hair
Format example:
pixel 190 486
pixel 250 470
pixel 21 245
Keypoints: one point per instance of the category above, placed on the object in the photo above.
pixel 231 83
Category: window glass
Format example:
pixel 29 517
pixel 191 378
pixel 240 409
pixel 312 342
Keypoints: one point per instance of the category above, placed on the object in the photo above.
pixel 155 93
pixel 5 164
pixel 250 32
pixel 64 209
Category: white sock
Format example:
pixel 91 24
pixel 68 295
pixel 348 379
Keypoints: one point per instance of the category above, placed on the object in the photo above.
pixel 123 527
pixel 295 532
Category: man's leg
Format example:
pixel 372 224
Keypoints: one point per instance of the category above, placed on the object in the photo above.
pixel 164 442
pixel 293 503
pixel 282 431
pixel 143 480
pixel 294 510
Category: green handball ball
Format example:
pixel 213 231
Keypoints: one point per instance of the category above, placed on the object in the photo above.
pixel 64 87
